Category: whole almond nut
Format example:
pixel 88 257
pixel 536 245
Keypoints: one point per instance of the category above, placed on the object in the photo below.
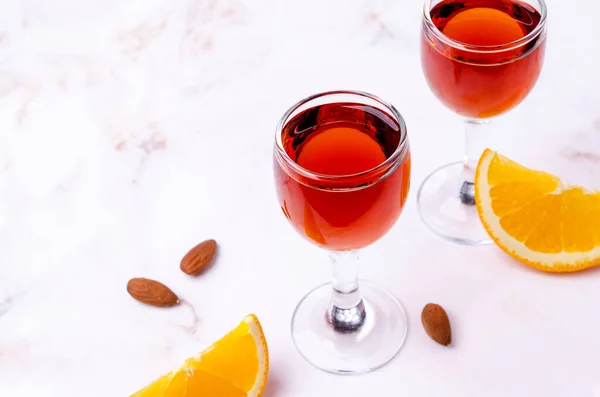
pixel 151 292
pixel 199 257
pixel 436 323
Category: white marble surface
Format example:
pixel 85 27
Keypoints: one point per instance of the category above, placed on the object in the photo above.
pixel 131 130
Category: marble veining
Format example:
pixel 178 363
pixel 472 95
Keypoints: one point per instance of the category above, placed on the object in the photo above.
pixel 132 130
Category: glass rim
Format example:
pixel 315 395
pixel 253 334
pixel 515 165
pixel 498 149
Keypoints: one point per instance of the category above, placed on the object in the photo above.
pixel 390 161
pixel 482 48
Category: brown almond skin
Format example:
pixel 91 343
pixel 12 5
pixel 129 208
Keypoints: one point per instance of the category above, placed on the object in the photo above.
pixel 151 292
pixel 436 323
pixel 199 257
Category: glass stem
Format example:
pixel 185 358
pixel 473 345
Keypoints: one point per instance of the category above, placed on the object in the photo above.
pixel 476 132
pixel 346 311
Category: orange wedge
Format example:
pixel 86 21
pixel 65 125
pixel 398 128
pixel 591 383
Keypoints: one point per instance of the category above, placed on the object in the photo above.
pixel 235 366
pixel 535 218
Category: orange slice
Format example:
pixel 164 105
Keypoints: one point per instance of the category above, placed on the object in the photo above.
pixel 535 218
pixel 235 366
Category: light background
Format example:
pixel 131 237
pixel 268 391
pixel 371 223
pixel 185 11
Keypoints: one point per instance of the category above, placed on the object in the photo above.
pixel 131 130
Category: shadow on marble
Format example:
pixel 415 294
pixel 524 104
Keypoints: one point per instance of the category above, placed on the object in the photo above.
pixel 274 385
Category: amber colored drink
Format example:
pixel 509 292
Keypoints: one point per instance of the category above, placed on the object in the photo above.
pixel 348 140
pixel 485 76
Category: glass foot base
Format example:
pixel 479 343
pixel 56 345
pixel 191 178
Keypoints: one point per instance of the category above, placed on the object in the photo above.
pixel 360 351
pixel 446 205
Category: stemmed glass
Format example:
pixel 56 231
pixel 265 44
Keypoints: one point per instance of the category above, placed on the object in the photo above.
pixel 480 58
pixel 342 174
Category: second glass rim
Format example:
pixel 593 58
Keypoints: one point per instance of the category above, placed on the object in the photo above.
pixel 388 163
pixel 479 48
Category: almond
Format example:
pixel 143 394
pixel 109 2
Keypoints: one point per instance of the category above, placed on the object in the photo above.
pixel 199 257
pixel 436 324
pixel 151 292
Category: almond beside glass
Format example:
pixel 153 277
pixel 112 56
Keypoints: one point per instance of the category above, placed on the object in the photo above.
pixel 436 323
pixel 151 292
pixel 199 257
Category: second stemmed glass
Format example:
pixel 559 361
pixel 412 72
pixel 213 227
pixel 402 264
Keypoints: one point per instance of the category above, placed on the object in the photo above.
pixel 480 58
pixel 342 174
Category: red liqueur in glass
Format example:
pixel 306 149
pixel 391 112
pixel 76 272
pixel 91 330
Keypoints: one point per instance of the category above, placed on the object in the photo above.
pixel 485 74
pixel 356 202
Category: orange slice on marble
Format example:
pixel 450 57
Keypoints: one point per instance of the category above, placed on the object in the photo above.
pixel 235 366
pixel 536 218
